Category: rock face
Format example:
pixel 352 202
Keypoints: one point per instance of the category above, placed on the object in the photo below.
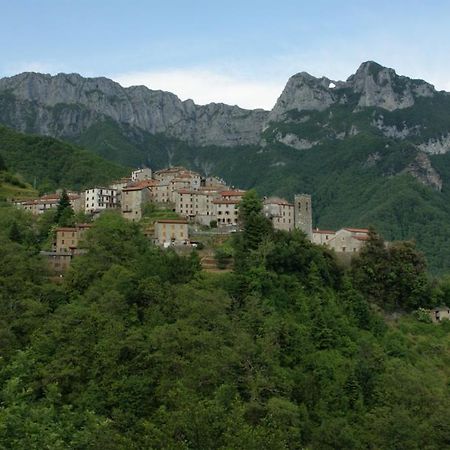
pixel 422 170
pixel 66 104
pixel 303 92
pixel 373 85
pixel 381 87
pixel 437 146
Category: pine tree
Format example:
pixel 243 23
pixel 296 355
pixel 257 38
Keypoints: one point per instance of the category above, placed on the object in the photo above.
pixel 64 212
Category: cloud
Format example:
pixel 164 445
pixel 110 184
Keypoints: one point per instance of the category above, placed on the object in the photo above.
pixel 206 86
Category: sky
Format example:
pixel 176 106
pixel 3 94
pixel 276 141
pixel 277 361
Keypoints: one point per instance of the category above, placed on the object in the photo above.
pixel 235 52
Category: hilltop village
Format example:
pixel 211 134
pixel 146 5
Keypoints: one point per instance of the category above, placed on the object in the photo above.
pixel 195 200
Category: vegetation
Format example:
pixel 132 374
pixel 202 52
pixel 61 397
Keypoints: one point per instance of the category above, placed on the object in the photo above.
pixel 355 180
pixel 49 164
pixel 137 348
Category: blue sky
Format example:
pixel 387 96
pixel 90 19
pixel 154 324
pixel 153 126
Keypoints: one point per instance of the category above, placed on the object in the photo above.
pixel 238 52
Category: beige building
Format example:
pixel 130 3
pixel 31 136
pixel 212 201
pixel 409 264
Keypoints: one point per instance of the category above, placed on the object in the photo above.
pixel 323 237
pixel 69 239
pixel 171 232
pixel 67 245
pixel 226 207
pixel 134 198
pixel 344 241
pixel 51 201
pixel 280 212
pixel 196 205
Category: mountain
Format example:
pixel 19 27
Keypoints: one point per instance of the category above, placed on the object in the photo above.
pixel 373 149
pixel 50 163
pixel 65 105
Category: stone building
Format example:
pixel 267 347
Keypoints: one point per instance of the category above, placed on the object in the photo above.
pixel 141 174
pixel 323 237
pixel 135 197
pixel 51 201
pixel 69 239
pixel 345 242
pixel 280 212
pixel 303 214
pixel 196 205
pixel 67 245
pixel 171 232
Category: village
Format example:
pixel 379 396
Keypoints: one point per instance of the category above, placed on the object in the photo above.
pixel 197 201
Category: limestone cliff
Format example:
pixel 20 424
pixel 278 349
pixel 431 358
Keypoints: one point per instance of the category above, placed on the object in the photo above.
pixel 66 104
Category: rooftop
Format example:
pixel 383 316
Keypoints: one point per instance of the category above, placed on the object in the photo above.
pixel 179 221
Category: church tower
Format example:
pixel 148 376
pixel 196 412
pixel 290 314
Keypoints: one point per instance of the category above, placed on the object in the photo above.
pixel 303 214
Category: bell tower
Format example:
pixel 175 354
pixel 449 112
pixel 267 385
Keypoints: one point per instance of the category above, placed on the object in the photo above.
pixel 303 214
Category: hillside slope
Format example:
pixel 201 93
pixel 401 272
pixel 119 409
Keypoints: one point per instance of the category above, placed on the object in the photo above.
pixel 49 163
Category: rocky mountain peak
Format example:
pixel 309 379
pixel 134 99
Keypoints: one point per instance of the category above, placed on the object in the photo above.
pixel 381 87
pixel 303 92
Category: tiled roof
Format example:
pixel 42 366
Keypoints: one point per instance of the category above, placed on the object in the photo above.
pixel 357 230
pixel 323 231
pixel 141 185
pixel 277 201
pixel 235 193
pixel 180 221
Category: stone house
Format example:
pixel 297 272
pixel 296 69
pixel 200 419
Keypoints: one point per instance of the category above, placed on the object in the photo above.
pixel 51 201
pixel 280 212
pixel 141 174
pixel 196 205
pixel 171 232
pixel 323 237
pixel 68 239
pixel 346 241
pixel 134 197
pixel 67 245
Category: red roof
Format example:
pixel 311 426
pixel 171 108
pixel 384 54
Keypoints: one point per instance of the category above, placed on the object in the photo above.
pixel 141 185
pixel 235 193
pixel 357 230
pixel 180 221
pixel 324 231
pixel 361 238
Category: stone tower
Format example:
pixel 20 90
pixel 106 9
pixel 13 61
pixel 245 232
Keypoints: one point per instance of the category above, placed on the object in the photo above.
pixel 303 214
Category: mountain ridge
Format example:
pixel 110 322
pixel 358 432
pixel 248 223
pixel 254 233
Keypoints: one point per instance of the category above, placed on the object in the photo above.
pixel 80 102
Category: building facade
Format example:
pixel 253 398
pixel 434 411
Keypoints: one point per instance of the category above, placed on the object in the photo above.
pixel 99 199
pixel 171 232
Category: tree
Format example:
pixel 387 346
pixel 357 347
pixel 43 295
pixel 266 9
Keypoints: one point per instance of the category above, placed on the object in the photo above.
pixel 2 164
pixel 64 211
pixel 394 277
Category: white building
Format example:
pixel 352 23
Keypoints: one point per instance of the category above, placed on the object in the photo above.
pixel 99 199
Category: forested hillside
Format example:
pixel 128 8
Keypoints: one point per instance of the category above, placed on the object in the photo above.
pixel 137 348
pixel 49 163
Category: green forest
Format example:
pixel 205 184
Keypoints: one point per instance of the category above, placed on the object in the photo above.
pixel 50 164
pixel 139 348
